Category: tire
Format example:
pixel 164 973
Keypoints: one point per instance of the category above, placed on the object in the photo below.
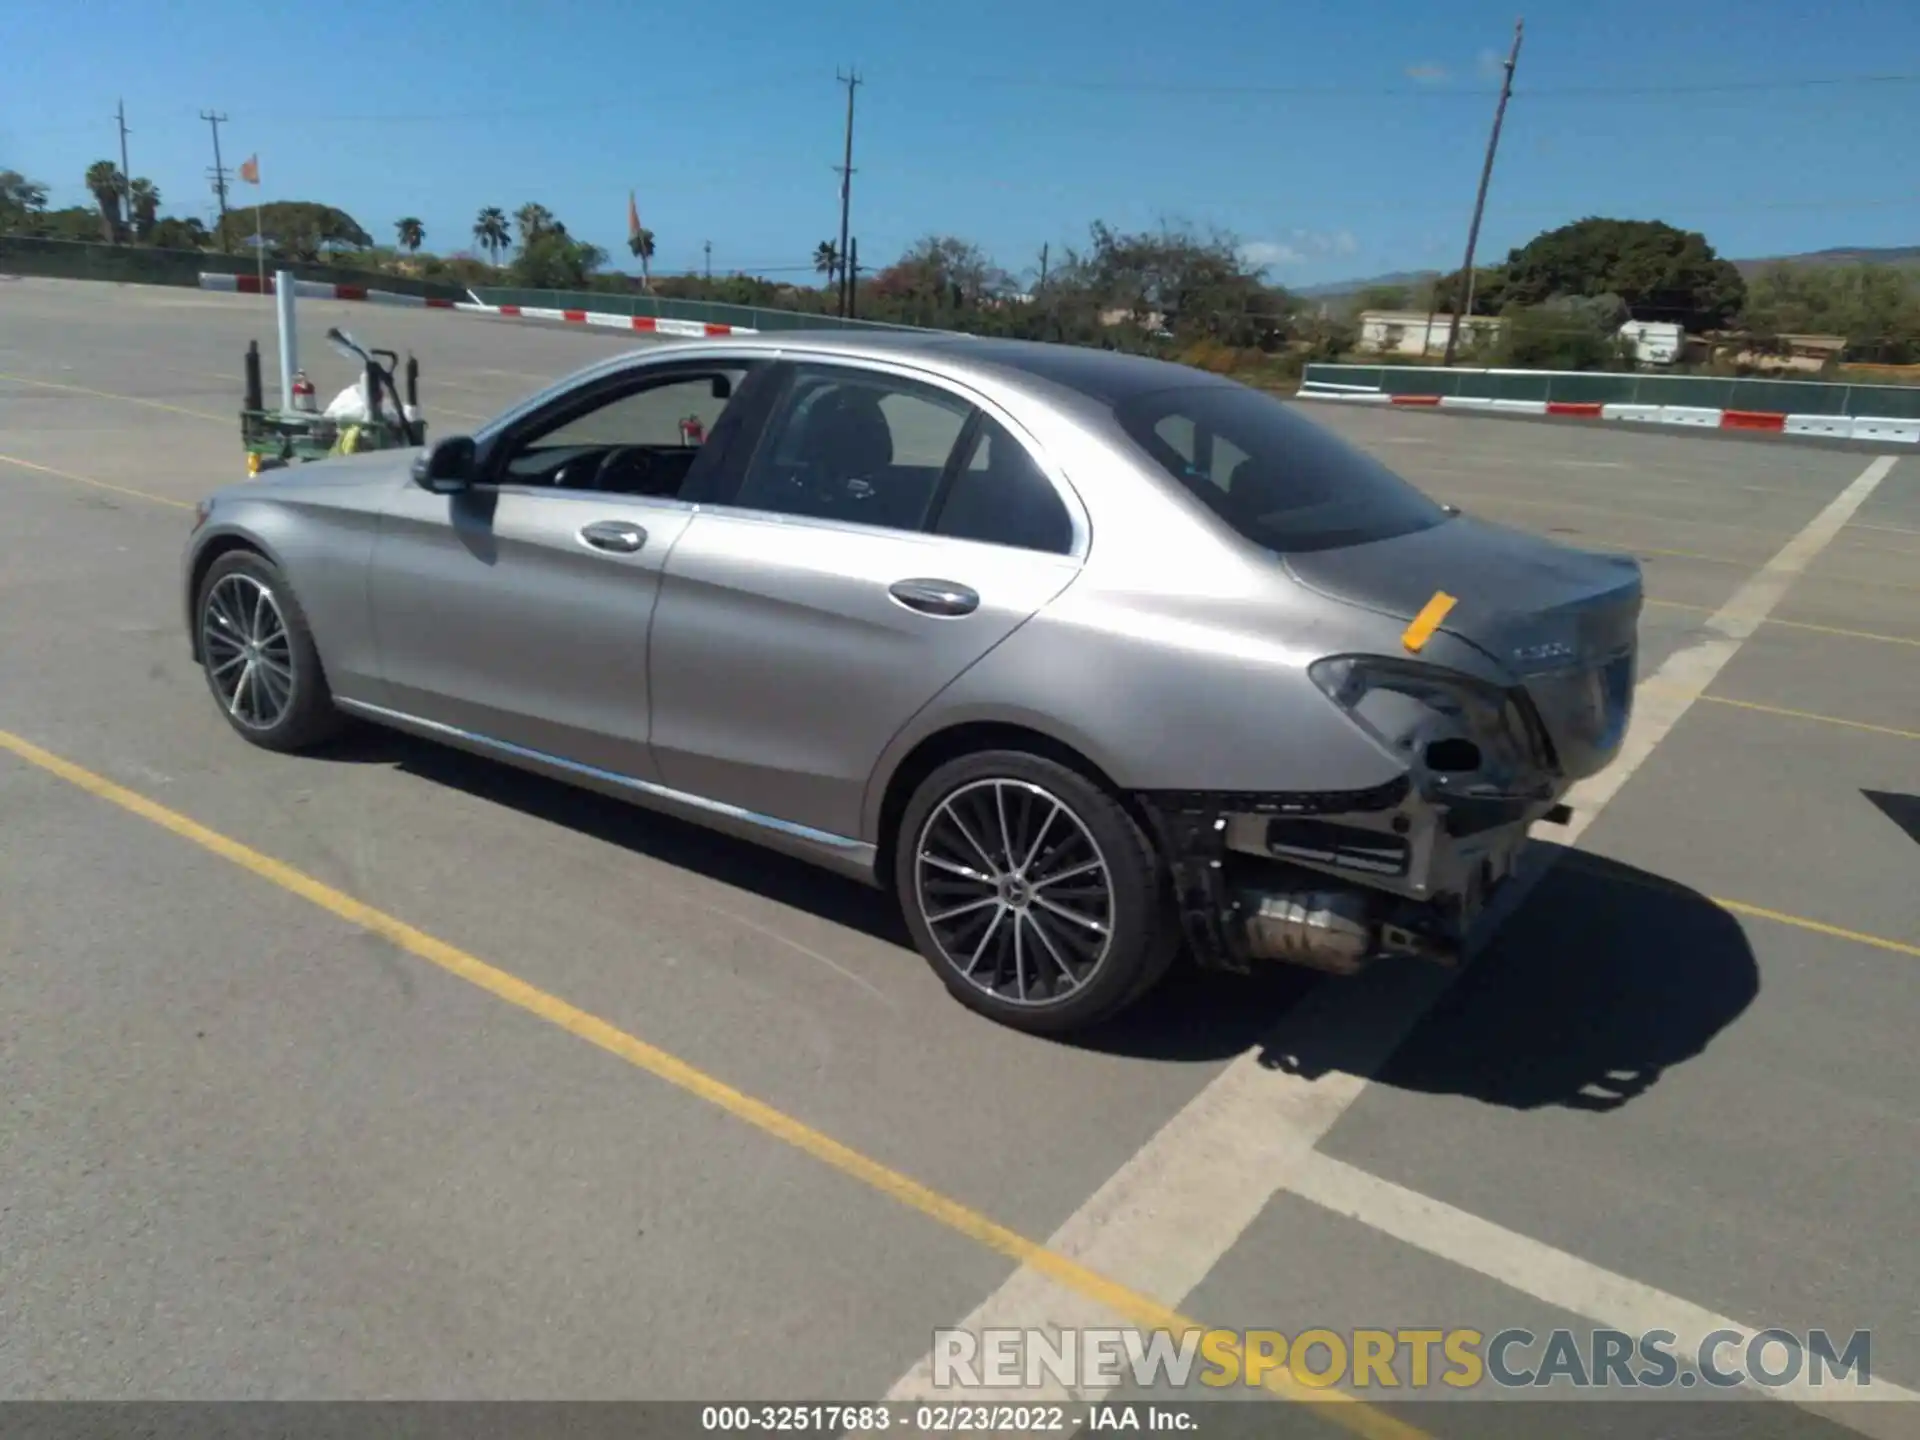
pixel 288 706
pixel 1085 951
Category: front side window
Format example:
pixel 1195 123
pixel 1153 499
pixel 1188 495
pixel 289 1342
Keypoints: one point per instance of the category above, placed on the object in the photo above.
pixel 639 441
pixel 855 446
pixel 1275 477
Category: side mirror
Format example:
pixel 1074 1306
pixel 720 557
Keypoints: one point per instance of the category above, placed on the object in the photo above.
pixel 722 388
pixel 448 467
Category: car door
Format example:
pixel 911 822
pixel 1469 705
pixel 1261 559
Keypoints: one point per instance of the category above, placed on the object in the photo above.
pixel 806 619
pixel 516 611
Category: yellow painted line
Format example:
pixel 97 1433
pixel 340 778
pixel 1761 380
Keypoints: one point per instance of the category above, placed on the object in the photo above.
pixel 1818 927
pixel 128 399
pixel 1581 861
pixel 1798 624
pixel 1427 621
pixel 1139 1310
pixel 1812 715
pixel 96 484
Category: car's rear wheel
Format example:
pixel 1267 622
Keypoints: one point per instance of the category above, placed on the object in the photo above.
pixel 259 657
pixel 1032 892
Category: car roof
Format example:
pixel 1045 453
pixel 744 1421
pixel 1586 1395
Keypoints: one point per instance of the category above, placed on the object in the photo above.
pixel 1106 376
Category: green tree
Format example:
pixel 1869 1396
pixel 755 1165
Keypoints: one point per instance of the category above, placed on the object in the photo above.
pixel 1662 273
pixel 826 260
pixel 490 231
pixel 107 184
pixel 412 234
pixel 553 260
pixel 301 230
pixel 642 246
pixel 174 233
pixel 143 197
pixel 1489 290
pixel 22 203
pixel 1568 333
pixel 533 221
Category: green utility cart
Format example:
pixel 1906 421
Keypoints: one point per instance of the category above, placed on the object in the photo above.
pixel 274 438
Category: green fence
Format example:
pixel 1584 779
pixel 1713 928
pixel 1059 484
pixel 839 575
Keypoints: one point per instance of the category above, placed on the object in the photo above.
pixel 148 265
pixel 1789 397
pixel 705 312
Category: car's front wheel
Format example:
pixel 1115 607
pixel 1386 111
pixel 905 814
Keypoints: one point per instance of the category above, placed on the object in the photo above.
pixel 1032 892
pixel 259 657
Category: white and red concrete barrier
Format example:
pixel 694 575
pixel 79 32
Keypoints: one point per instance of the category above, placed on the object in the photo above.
pixel 1837 427
pixel 645 324
pixel 325 290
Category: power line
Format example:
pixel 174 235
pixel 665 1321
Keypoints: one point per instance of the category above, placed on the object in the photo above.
pixel 126 171
pixel 1480 200
pixel 852 81
pixel 219 173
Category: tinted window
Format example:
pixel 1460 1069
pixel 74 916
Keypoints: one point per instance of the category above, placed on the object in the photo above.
pixel 1001 496
pixel 848 445
pixel 1277 478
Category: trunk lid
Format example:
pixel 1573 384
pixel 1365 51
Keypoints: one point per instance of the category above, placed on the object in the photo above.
pixel 1564 621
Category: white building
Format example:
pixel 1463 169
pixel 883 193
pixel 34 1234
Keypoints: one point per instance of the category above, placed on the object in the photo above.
pixel 1655 342
pixel 1415 332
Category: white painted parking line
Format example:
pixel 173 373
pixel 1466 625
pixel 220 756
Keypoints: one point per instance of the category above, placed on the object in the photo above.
pixel 1572 1284
pixel 1172 1212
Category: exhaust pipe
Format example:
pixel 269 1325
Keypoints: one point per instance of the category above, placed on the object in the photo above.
pixel 1337 931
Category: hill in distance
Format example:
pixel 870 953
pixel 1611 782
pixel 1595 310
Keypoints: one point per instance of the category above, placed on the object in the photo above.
pixel 1839 255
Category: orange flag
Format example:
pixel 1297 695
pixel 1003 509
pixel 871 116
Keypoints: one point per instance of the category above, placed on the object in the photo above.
pixel 250 170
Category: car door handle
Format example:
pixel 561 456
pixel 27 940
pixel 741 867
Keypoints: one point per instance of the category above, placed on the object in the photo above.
pixel 935 597
pixel 615 535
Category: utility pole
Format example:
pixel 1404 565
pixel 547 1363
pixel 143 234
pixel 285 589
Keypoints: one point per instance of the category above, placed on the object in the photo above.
pixel 219 172
pixel 1463 294
pixel 126 174
pixel 853 276
pixel 707 247
pixel 852 81
pixel 1044 250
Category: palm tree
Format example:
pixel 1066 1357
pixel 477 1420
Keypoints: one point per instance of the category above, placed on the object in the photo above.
pixel 412 233
pixel 532 221
pixel 143 199
pixel 18 192
pixel 106 183
pixel 641 244
pixel 490 229
pixel 826 259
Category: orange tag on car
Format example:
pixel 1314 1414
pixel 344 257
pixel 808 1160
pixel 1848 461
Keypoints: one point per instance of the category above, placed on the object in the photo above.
pixel 1427 621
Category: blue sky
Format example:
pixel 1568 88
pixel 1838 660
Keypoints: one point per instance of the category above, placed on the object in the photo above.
pixel 1336 140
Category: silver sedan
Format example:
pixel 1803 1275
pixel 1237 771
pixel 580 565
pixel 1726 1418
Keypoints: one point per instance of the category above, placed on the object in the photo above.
pixel 1092 660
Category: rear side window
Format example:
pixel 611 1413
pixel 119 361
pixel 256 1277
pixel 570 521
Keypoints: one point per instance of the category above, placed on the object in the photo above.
pixel 999 495
pixel 1275 477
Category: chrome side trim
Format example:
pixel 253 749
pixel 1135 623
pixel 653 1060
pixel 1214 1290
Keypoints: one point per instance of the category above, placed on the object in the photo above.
pixel 856 850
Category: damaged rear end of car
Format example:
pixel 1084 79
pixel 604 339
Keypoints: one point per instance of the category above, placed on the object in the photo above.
pixel 1494 669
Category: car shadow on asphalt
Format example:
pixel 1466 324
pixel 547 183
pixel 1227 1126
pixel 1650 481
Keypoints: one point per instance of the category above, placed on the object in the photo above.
pixel 1606 978
pixel 1193 1017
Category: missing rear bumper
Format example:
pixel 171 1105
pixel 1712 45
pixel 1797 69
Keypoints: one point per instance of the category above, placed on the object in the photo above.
pixel 1337 881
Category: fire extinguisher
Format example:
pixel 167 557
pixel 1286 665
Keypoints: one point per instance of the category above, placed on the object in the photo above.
pixel 303 393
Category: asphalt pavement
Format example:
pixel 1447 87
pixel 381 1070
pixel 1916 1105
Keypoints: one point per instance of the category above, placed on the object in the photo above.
pixel 392 1073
